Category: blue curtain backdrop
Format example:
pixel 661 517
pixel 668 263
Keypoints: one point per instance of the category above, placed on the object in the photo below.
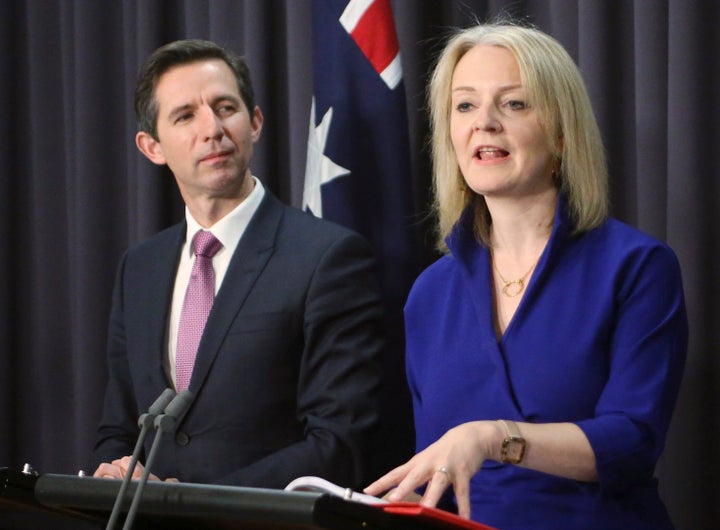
pixel 77 193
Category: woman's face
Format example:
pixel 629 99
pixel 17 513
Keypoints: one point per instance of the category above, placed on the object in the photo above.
pixel 501 147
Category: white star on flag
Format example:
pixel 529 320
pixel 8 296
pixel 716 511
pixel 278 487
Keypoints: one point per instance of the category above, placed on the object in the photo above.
pixel 319 169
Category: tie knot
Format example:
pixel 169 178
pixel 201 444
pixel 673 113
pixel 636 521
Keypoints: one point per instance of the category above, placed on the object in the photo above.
pixel 206 244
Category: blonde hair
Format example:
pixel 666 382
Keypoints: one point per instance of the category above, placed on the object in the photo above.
pixel 557 92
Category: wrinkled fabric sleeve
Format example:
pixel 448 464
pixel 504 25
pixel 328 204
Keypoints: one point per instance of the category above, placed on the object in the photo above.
pixel 648 351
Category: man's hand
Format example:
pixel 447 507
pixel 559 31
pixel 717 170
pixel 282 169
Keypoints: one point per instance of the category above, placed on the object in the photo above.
pixel 119 468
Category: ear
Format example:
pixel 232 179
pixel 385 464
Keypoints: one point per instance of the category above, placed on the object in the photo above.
pixel 256 123
pixel 150 147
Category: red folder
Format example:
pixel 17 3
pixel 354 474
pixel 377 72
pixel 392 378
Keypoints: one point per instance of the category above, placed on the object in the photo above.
pixel 435 516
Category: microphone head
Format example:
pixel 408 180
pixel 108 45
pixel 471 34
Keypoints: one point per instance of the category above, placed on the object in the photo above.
pixel 145 421
pixel 179 404
pixel 175 409
pixel 162 401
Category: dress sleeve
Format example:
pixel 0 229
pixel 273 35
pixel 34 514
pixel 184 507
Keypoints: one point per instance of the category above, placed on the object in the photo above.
pixel 647 356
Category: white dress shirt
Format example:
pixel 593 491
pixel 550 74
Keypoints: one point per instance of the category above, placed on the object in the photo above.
pixel 228 231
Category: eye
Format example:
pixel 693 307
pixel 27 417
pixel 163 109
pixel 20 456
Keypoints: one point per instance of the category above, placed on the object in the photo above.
pixel 226 110
pixel 516 104
pixel 183 117
pixel 463 106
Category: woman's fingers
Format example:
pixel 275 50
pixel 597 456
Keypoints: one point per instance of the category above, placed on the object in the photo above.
pixel 387 481
pixel 462 496
pixel 440 480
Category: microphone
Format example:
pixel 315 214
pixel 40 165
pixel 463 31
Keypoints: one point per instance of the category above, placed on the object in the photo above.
pixel 145 422
pixel 163 423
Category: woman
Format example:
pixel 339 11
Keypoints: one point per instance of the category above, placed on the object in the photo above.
pixel 546 348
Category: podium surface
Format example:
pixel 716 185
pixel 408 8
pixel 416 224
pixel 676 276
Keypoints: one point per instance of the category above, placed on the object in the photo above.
pixel 84 503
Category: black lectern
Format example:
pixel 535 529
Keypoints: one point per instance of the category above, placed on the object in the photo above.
pixel 50 501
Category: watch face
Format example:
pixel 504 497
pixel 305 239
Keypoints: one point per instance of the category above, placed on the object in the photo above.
pixel 513 449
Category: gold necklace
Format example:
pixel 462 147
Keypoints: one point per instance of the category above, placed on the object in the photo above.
pixel 512 288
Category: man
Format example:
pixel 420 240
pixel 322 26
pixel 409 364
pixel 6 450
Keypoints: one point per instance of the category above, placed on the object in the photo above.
pixel 285 374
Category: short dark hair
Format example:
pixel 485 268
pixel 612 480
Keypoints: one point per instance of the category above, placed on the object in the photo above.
pixel 178 53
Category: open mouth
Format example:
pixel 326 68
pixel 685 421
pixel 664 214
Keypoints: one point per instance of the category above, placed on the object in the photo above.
pixel 490 153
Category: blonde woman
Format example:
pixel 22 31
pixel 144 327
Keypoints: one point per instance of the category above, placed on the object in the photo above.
pixel 546 348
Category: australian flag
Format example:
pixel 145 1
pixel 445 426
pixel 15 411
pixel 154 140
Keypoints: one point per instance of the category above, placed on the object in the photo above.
pixel 358 171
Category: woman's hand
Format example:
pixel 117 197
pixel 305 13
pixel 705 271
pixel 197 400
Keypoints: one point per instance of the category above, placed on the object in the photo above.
pixel 453 459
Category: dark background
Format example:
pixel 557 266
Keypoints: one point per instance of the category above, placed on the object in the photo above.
pixel 75 191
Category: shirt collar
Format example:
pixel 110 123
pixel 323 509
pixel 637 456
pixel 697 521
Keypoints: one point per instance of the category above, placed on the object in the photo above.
pixel 230 228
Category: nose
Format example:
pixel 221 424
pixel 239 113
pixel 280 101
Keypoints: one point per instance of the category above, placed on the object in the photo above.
pixel 487 118
pixel 210 125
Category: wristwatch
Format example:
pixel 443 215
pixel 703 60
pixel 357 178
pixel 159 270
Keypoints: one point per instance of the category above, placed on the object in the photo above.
pixel 513 446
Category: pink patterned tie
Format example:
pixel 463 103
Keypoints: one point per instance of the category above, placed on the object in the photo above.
pixel 198 301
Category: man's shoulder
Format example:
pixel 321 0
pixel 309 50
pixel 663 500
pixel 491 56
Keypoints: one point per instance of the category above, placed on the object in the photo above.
pixel 304 225
pixel 162 241
pixel 297 217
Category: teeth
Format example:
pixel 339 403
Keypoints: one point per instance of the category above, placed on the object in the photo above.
pixel 487 153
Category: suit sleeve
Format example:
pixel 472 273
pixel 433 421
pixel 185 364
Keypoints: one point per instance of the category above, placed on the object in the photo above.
pixel 118 428
pixel 339 376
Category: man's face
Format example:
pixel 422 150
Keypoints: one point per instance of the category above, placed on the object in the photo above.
pixel 205 132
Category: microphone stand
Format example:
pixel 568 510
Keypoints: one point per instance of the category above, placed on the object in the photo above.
pixel 163 423
pixel 145 422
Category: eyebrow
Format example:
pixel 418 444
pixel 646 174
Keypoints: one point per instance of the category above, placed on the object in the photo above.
pixel 225 97
pixel 504 88
pixel 177 111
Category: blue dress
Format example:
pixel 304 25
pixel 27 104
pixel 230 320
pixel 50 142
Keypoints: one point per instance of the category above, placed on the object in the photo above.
pixel 599 339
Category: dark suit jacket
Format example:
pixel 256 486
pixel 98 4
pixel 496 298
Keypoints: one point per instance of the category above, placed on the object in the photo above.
pixel 286 376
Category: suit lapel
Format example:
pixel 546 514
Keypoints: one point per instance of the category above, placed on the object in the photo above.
pixel 157 287
pixel 251 256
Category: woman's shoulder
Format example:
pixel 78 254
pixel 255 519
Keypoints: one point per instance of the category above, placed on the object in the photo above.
pixel 619 236
pixel 623 245
pixel 437 282
pixel 441 268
